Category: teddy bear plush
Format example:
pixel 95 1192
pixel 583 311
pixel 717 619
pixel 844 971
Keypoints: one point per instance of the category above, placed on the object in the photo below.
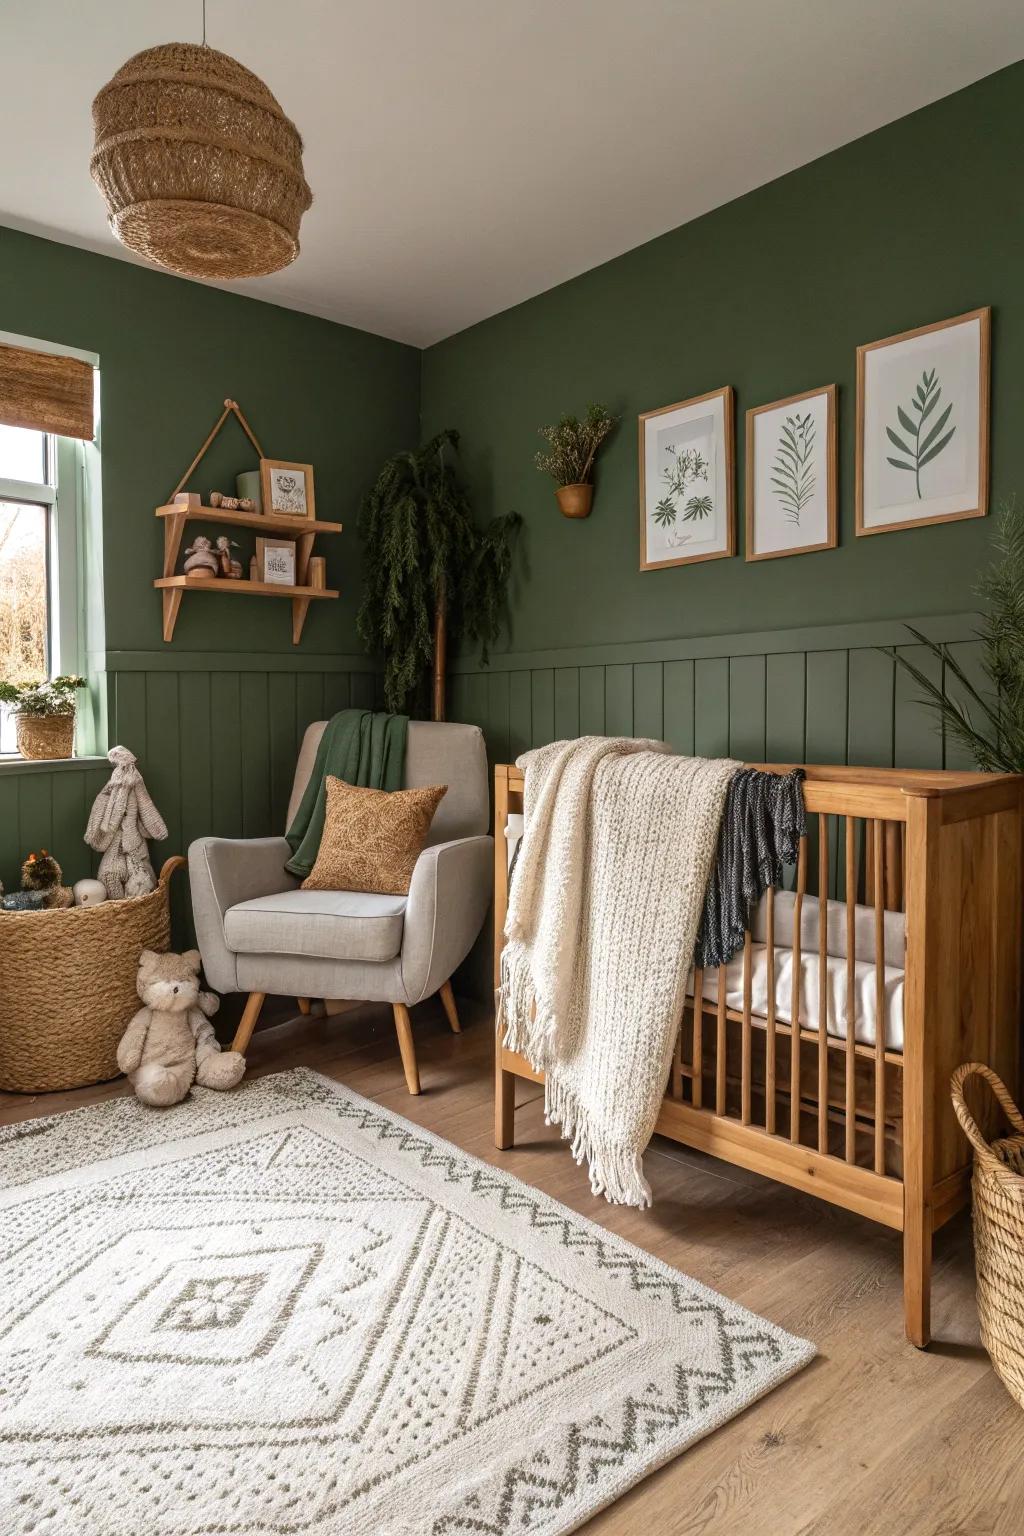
pixel 170 1042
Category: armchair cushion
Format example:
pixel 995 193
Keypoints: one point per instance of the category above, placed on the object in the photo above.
pixel 328 925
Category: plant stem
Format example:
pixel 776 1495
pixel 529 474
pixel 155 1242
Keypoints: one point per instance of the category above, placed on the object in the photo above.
pixel 440 651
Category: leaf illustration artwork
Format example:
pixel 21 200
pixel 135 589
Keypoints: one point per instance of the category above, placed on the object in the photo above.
pixel 685 468
pixel 698 507
pixel 920 445
pixel 793 475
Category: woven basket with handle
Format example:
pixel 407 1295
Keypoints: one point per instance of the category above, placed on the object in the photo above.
pixel 67 987
pixel 998 1186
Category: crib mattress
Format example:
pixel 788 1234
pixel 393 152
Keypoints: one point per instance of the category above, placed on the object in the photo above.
pixel 865 990
pixel 865 1003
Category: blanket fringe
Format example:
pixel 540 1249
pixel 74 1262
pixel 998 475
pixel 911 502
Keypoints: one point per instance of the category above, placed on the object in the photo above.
pixel 615 1172
pixel 527 1027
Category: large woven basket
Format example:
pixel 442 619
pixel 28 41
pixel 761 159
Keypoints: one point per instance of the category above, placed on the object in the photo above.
pixel 200 169
pixel 998 1186
pixel 67 987
pixel 45 736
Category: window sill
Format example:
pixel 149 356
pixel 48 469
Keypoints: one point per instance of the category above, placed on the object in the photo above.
pixel 11 764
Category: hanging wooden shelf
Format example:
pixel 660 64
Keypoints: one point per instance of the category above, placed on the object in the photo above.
pixel 173 588
pixel 261 521
pixel 176 515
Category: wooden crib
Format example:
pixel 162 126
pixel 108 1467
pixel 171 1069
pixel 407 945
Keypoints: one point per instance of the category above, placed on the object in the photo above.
pixel 863 1123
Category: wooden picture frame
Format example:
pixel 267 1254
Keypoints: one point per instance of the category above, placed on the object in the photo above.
pixel 707 423
pixel 809 471
pixel 286 554
pixel 290 502
pixel 885 450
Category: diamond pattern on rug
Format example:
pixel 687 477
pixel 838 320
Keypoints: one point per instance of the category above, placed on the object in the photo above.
pixel 321 1319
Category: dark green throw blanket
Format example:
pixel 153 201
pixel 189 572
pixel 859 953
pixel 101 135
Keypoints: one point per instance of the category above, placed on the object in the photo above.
pixel 360 747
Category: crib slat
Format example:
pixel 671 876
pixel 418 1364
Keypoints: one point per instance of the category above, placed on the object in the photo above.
pixel 879 998
pixel 769 1065
pixel 794 1045
pixel 822 983
pixel 677 1060
pixel 851 991
pixel 894 865
pixel 696 1082
pixel 745 1045
pixel 720 1046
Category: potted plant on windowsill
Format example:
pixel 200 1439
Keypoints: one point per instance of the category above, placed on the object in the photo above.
pixel 44 715
pixel 569 459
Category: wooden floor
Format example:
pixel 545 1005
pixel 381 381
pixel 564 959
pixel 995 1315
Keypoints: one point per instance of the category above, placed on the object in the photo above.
pixel 873 1439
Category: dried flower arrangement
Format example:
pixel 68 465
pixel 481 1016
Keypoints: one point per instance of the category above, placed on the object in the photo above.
pixel 569 459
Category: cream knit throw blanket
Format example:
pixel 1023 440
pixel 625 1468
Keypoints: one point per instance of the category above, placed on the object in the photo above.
pixel 602 919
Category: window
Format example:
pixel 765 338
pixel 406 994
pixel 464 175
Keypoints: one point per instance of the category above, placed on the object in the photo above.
pixel 38 560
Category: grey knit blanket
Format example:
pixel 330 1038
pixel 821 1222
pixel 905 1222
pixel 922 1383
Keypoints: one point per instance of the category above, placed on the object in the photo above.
pixel 761 828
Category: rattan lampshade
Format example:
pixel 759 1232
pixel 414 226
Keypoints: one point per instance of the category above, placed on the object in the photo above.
pixel 200 169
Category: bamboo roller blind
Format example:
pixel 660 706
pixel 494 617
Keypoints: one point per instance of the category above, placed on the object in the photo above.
pixel 46 393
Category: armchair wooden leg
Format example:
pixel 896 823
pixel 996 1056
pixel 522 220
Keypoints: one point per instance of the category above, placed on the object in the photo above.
pixel 403 1028
pixel 448 999
pixel 304 1004
pixel 247 1023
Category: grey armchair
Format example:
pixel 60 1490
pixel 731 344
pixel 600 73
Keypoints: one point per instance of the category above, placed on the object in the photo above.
pixel 259 933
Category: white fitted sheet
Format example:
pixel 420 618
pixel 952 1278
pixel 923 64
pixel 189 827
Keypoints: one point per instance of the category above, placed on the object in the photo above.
pixel 865 1000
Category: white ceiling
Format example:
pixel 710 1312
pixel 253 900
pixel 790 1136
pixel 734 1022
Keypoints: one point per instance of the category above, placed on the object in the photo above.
pixel 467 154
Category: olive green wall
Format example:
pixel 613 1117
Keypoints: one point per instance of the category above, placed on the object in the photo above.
pixel 215 716
pixel 771 294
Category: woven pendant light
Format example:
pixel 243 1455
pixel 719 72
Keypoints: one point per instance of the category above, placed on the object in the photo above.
pixel 200 169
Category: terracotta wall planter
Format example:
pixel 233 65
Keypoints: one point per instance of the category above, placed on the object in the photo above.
pixel 575 500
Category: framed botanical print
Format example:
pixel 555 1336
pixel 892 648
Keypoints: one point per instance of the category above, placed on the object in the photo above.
pixel 687 481
pixel 791 475
pixel 923 425
pixel 286 490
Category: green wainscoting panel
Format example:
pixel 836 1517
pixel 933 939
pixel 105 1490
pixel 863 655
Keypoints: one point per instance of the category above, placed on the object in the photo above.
pixel 817 695
pixel 217 750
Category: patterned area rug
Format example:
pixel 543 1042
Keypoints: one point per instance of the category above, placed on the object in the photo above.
pixel 287 1310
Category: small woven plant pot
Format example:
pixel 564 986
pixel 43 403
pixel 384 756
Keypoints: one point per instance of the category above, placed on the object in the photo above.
pixel 998 1188
pixel 67 987
pixel 200 169
pixel 45 736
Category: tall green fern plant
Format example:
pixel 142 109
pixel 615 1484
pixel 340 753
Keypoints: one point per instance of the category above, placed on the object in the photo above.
pixel 431 574
pixel 989 723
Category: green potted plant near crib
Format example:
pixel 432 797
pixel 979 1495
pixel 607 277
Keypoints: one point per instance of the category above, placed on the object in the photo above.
pixel 44 715
pixel 569 458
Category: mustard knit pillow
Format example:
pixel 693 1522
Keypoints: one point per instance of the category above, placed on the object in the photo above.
pixel 372 838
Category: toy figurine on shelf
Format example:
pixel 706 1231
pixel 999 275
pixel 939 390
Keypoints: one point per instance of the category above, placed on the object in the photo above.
pixel 232 503
pixel 229 566
pixel 201 559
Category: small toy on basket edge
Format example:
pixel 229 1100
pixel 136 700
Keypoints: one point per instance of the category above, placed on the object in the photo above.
pixel 122 817
pixel 21 901
pixel 170 1042
pixel 89 893
pixel 41 872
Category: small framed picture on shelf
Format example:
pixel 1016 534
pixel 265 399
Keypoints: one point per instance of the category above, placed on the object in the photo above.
pixel 687 469
pixel 275 562
pixel 286 490
pixel 791 475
